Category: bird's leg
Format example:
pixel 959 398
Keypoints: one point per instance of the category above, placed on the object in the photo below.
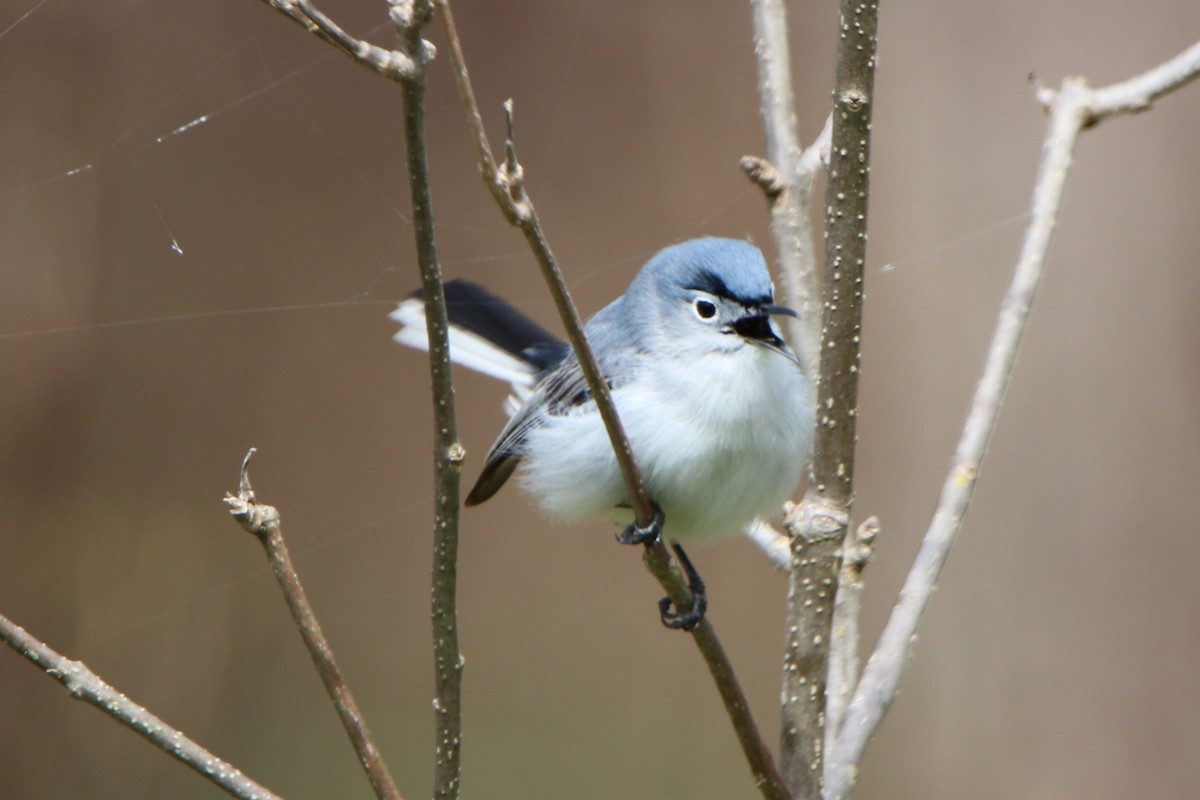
pixel 650 536
pixel 647 535
pixel 691 620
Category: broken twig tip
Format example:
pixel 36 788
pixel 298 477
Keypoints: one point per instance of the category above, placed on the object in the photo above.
pixel 254 517
pixel 763 173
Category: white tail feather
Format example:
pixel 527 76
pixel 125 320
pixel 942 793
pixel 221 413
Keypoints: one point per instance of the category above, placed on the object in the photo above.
pixel 468 349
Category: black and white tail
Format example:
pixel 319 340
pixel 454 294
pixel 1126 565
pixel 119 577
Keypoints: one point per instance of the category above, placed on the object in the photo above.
pixel 487 335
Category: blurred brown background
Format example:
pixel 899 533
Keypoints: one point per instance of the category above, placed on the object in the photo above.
pixel 1058 659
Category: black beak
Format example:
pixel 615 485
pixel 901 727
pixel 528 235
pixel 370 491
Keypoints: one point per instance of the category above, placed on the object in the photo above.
pixel 782 310
pixel 758 326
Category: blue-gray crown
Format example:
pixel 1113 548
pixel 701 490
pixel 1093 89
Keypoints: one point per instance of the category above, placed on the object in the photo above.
pixel 728 268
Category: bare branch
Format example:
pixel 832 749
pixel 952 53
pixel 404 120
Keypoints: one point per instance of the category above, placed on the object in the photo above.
pixel 83 684
pixel 819 526
pixel 508 188
pixel 408 67
pixel 791 200
pixel 391 64
pixel 754 747
pixel 775 546
pixel 843 649
pixel 1137 93
pixel 262 521
pixel 410 17
pixel 507 185
pixel 1074 107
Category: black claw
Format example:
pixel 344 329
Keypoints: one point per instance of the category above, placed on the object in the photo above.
pixel 647 535
pixel 691 620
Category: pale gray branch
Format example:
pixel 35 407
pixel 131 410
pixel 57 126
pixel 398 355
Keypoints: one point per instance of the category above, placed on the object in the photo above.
pixel 83 684
pixel 791 202
pixel 391 64
pixel 1073 108
pixel 1137 93
pixel 774 545
pixel 843 649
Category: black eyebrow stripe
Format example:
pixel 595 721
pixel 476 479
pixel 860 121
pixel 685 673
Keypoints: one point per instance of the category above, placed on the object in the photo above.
pixel 712 283
pixel 707 281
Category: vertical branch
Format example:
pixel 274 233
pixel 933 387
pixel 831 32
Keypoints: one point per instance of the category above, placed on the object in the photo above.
pixel 791 195
pixel 820 524
pixel 843 647
pixel 410 18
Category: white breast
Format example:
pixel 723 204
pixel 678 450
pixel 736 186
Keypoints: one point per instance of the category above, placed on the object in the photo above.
pixel 720 442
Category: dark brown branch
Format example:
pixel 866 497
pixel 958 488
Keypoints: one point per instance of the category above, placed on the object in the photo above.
pixel 263 522
pixel 819 527
pixel 83 684
pixel 754 747
pixel 410 18
pixel 507 185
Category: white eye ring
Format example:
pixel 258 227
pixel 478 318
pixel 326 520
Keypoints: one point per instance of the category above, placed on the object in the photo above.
pixel 705 309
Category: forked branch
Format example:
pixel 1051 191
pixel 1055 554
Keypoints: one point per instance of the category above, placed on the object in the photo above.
pixel 820 524
pixel 1073 108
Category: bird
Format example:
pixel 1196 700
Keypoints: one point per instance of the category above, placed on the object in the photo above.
pixel 715 404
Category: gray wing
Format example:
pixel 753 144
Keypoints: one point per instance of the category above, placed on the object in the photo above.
pixel 560 390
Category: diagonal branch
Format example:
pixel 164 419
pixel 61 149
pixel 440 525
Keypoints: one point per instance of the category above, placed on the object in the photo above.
pixel 83 684
pixel 262 521
pixel 391 64
pixel 1074 107
pixel 506 183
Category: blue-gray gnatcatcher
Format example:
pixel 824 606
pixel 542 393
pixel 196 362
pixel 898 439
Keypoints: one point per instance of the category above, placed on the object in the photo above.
pixel 713 401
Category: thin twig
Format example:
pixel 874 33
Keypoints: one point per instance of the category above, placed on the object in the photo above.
pixel 754 747
pixel 819 525
pixel 410 17
pixel 83 684
pixel 507 185
pixel 791 202
pixel 774 545
pixel 391 64
pixel 262 521
pixel 1074 107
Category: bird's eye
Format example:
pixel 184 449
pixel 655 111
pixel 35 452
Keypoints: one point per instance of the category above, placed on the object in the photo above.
pixel 705 309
